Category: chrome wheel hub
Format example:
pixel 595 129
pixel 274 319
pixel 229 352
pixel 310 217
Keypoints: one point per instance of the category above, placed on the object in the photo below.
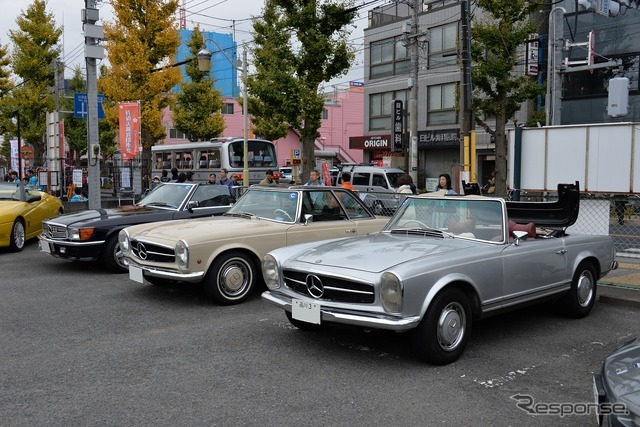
pixel 584 289
pixel 451 326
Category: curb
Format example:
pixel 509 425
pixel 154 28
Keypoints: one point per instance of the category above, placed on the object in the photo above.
pixel 618 295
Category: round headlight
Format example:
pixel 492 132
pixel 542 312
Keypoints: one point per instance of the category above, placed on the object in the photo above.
pixel 391 292
pixel 182 255
pixel 123 241
pixel 271 271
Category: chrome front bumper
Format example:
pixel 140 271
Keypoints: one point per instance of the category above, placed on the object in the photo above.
pixel 332 315
pixel 70 242
pixel 193 277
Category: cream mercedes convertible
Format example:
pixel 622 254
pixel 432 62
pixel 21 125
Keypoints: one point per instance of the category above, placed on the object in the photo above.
pixel 223 253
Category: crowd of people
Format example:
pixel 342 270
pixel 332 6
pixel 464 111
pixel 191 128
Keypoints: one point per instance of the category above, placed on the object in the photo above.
pixel 30 179
pixel 176 176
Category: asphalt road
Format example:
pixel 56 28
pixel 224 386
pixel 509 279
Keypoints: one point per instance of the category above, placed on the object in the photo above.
pixel 82 347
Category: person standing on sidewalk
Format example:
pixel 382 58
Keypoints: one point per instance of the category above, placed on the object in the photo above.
pixel 224 179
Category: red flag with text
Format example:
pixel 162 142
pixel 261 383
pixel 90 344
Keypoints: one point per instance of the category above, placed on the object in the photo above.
pixel 129 129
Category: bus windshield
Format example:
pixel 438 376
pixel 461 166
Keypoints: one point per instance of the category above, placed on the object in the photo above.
pixel 261 154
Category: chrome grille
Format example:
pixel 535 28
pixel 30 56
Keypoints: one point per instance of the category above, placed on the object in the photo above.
pixel 54 231
pixel 149 252
pixel 334 289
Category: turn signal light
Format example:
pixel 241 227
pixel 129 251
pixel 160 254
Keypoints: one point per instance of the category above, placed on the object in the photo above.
pixel 86 233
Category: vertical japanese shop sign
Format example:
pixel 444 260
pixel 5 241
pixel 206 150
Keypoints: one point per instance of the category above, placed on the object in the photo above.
pixel 397 125
pixel 129 129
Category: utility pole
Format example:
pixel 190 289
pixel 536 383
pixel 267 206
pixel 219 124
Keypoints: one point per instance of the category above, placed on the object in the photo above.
pixel 554 60
pixel 413 94
pixel 466 93
pixel 413 40
pixel 93 34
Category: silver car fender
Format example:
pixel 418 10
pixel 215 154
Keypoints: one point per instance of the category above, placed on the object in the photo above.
pixel 442 283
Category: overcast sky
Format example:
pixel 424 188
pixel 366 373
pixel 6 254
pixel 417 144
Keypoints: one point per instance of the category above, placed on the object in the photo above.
pixel 223 16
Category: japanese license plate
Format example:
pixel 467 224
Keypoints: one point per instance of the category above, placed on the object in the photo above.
pixel 44 247
pixel 135 274
pixel 306 311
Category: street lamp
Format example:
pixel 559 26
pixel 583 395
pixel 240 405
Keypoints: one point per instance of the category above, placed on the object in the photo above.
pixel 204 64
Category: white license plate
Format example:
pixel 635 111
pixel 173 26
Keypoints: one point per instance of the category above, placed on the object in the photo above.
pixel 135 274
pixel 306 311
pixel 44 247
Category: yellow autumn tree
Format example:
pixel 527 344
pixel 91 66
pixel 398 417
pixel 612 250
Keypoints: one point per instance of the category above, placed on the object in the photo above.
pixel 142 37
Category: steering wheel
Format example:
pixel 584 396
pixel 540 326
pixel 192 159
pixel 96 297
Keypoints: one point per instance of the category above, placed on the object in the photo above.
pixel 280 211
pixel 420 223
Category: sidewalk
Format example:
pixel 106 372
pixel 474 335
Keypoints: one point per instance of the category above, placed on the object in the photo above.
pixel 622 286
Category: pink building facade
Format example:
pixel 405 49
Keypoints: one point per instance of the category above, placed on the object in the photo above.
pixel 342 118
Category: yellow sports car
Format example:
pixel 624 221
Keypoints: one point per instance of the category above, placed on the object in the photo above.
pixel 22 211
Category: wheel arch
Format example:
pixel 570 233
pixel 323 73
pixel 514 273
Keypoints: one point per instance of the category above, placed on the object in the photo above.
pixel 111 232
pixel 459 282
pixel 587 258
pixel 255 258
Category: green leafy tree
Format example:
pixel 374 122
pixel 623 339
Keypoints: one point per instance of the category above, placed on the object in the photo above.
pixel 197 112
pixel 499 90
pixel 35 47
pixel 142 37
pixel 299 44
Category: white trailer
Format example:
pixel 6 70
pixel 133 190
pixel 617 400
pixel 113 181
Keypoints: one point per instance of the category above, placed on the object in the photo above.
pixel 602 157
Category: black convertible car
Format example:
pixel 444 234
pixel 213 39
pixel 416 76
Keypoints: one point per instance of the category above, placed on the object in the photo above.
pixel 92 235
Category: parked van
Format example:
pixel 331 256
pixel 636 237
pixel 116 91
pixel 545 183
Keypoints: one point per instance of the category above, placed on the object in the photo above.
pixel 286 174
pixel 376 185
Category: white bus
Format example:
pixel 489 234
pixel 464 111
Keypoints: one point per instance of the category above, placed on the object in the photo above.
pixel 204 157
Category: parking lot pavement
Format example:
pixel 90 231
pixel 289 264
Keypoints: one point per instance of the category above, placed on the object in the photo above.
pixel 622 286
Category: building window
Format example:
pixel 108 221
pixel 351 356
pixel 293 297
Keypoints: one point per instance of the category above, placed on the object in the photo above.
pixel 429 5
pixel 380 108
pixel 443 45
pixel 441 105
pixel 227 108
pixel 325 114
pixel 389 57
pixel 176 134
pixel 586 84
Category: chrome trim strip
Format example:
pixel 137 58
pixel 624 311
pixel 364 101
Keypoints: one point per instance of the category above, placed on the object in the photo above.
pixel 328 315
pixel 345 290
pixel 69 242
pixel 166 274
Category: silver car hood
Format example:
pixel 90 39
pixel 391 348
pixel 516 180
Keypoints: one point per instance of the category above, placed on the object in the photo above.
pixel 383 251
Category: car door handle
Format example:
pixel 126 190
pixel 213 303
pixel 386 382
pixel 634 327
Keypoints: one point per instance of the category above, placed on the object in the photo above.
pixel 561 252
pixel 350 230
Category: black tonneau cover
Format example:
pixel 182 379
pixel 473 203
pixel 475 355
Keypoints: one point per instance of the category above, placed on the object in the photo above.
pixel 561 213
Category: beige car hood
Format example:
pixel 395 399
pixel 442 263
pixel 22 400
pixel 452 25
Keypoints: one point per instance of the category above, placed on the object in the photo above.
pixel 195 231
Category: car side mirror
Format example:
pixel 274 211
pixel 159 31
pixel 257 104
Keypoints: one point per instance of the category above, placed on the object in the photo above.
pixel 308 219
pixel 31 197
pixel 520 235
pixel 192 204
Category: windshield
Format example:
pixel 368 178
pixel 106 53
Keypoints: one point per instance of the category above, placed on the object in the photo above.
pixel 9 191
pixel 478 219
pixel 273 205
pixel 167 196
pixel 393 178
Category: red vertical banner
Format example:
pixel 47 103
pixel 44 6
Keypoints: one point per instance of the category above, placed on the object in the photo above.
pixel 129 129
pixel 62 139
pixel 326 174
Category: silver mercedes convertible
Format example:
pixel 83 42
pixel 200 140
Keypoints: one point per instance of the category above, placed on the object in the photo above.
pixel 439 264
